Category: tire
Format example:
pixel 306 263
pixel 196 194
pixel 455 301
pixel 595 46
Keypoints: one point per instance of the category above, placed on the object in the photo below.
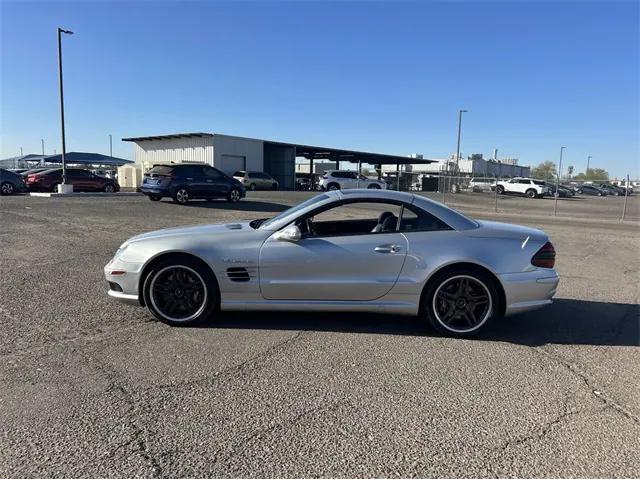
pixel 181 196
pixel 274 186
pixel 155 197
pixel 234 195
pixel 54 188
pixel 599 194
pixel 109 188
pixel 333 186
pixel 579 192
pixel 181 291
pixel 443 295
pixel 500 189
pixel 252 187
pixel 7 189
pixel 373 186
pixel 531 193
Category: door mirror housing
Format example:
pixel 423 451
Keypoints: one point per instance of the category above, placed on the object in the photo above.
pixel 291 233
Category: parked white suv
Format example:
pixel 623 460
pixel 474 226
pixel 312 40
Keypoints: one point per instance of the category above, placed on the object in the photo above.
pixel 345 179
pixel 482 184
pixel 524 186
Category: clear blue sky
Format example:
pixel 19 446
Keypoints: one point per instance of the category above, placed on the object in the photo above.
pixel 385 77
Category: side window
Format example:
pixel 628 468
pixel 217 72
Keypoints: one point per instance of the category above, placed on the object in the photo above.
pixel 524 182
pixel 416 219
pixel 354 218
pixel 212 173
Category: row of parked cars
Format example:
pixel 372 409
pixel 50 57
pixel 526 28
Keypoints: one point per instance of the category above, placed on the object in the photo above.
pixel 47 179
pixel 532 188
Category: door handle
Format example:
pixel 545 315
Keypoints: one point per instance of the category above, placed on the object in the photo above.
pixel 387 248
pixel 190 179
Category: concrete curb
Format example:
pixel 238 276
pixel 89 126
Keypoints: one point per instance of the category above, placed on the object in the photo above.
pixel 86 195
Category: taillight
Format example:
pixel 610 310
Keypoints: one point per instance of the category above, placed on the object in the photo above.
pixel 545 257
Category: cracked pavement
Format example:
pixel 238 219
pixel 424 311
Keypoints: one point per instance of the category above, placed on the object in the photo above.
pixel 93 388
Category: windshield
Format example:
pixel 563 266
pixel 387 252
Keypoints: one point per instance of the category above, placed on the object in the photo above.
pixel 299 207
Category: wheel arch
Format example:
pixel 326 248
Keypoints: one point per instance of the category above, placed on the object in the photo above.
pixel 149 265
pixel 451 267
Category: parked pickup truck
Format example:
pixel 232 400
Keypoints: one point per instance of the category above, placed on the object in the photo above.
pixel 523 186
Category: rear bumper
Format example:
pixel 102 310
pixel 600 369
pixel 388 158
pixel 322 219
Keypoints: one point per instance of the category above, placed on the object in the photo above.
pixel 529 290
pixel 155 190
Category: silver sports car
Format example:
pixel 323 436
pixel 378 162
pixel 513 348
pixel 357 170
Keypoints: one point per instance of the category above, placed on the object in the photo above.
pixel 353 250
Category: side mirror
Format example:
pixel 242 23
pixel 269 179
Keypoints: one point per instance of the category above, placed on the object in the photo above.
pixel 290 233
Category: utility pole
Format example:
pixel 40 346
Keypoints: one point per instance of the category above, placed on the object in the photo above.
pixel 460 112
pixel 64 147
pixel 586 173
pixel 555 201
pixel 42 141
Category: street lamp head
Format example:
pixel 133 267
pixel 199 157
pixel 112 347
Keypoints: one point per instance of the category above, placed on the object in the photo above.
pixel 68 32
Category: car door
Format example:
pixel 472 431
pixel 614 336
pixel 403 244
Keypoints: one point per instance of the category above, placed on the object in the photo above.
pixel 217 183
pixel 80 179
pixel 335 267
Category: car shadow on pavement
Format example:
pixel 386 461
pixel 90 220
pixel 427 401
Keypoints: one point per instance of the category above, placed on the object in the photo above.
pixel 566 321
pixel 244 205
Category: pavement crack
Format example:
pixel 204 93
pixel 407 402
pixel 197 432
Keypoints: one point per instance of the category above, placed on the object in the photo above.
pixel 238 369
pixel 589 383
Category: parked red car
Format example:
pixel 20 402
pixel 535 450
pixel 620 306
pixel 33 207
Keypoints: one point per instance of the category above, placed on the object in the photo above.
pixel 82 180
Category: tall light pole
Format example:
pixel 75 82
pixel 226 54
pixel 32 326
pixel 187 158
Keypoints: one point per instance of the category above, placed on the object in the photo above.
pixel 111 146
pixel 42 141
pixel 555 201
pixel 460 112
pixel 64 146
pixel 586 173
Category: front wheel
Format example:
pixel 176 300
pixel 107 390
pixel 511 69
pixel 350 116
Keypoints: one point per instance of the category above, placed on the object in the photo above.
pixel 252 187
pixel 234 195
pixel 374 187
pixel 333 187
pixel 500 189
pixel 460 302
pixel 109 188
pixel 155 197
pixel 181 196
pixel 7 189
pixel 274 186
pixel 180 292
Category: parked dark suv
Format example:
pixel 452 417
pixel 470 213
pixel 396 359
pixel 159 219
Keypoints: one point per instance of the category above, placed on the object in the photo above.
pixel 187 182
pixel 11 183
pixel 82 180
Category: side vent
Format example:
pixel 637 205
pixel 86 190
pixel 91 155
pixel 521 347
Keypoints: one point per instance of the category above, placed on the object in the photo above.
pixel 235 226
pixel 239 275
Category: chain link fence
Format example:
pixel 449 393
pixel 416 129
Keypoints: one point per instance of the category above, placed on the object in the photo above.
pixel 525 196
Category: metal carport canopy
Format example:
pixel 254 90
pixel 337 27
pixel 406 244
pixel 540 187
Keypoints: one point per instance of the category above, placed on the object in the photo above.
pixel 335 154
pixel 78 158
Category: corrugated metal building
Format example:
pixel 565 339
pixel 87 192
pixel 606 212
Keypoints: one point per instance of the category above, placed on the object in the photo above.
pixel 233 153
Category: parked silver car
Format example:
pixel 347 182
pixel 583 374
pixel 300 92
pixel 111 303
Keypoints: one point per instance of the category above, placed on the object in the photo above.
pixel 354 250
pixel 256 180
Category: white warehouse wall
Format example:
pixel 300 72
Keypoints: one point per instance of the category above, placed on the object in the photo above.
pixel 234 147
pixel 176 150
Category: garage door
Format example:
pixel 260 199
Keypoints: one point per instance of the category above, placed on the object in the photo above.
pixel 232 163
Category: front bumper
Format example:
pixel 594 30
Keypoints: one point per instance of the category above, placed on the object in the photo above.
pixel 529 290
pixel 123 279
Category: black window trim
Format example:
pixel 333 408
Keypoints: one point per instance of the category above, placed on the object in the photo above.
pixel 342 202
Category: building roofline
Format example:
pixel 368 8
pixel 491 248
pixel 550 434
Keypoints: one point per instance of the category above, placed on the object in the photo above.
pixel 167 137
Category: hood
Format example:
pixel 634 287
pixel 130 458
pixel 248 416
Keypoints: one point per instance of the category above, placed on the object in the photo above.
pixel 495 229
pixel 199 230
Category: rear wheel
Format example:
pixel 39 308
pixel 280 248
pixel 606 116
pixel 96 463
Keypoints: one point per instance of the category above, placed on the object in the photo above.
pixel 109 188
pixel 460 302
pixel 374 186
pixel 274 186
pixel 155 197
pixel 333 187
pixel 7 189
pixel 531 193
pixel 252 187
pixel 234 195
pixel 181 196
pixel 180 291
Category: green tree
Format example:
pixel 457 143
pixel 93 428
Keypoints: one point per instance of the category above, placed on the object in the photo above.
pixel 597 174
pixel 544 171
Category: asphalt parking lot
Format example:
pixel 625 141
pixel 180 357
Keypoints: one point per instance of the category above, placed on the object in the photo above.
pixel 93 388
